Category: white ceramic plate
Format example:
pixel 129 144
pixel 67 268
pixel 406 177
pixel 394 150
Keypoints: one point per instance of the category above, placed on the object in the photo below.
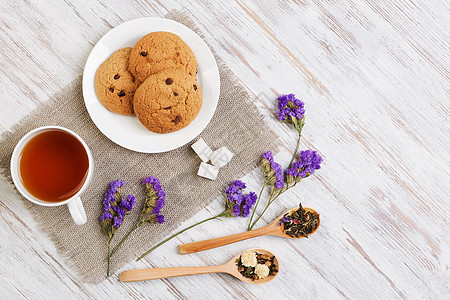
pixel 127 131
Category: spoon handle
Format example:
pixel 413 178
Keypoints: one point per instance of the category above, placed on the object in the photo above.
pixel 222 241
pixel 158 273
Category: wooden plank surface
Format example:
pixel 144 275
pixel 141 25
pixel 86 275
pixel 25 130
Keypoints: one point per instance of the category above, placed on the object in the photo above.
pixel 375 79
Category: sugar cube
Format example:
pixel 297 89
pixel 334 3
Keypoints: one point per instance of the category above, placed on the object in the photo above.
pixel 202 150
pixel 208 171
pixel 221 157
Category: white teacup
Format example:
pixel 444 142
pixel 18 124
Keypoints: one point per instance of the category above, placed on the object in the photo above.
pixel 74 203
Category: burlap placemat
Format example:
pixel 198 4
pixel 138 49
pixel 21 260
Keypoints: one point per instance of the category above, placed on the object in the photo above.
pixel 236 125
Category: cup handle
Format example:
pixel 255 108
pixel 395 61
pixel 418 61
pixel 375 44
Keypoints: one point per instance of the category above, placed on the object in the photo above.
pixel 77 211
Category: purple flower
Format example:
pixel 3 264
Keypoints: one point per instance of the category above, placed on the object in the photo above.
pixel 107 203
pixel 246 211
pixel 250 199
pixel 119 211
pixel 154 202
pixel 266 160
pixel 285 219
pixel 234 191
pixel 161 193
pixel 235 197
pixel 308 162
pixel 113 191
pixel 131 199
pixel 151 180
pixel 273 172
pixel 115 207
pixel 158 205
pixel 159 219
pixel 290 171
pixel 238 204
pixel 117 222
pixel 235 187
pixel 236 211
pixel 278 177
pixel 268 156
pixel 116 185
pixel 239 184
pixel 290 109
pixel 128 203
pixel 106 216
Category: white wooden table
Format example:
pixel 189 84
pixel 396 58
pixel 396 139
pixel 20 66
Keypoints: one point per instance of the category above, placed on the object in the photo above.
pixel 375 79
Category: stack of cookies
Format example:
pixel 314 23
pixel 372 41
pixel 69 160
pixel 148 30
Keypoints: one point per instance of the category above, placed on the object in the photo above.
pixel 155 80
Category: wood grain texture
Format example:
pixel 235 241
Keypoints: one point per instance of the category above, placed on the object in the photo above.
pixel 375 79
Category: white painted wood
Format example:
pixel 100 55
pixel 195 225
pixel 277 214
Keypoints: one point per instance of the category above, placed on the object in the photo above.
pixel 375 79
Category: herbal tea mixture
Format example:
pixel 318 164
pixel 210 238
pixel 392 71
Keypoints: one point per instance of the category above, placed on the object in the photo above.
pixel 299 222
pixel 256 265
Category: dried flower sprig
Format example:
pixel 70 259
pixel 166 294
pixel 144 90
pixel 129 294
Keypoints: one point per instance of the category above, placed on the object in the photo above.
pixel 273 176
pixel 291 111
pixel 308 162
pixel 151 212
pixel 237 204
pixel 115 207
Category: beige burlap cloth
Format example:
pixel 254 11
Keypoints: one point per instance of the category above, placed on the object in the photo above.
pixel 236 125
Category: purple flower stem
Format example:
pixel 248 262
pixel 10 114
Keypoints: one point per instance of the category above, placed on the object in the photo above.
pixel 271 200
pixel 123 240
pixel 299 128
pixel 256 205
pixel 109 249
pixel 222 214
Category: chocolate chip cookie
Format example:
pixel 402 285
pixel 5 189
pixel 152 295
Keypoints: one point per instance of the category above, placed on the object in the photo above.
pixel 115 85
pixel 158 51
pixel 168 101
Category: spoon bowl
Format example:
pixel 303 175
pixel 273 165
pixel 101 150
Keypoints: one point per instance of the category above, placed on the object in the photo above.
pixel 281 231
pixel 235 272
pixel 229 267
pixel 273 228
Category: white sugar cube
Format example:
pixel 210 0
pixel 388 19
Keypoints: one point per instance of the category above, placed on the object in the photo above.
pixel 208 171
pixel 202 150
pixel 221 157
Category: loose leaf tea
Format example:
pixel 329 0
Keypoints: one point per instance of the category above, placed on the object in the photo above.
pixel 256 265
pixel 300 222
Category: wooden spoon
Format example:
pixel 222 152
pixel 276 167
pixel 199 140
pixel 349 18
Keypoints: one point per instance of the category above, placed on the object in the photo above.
pixel 229 268
pixel 272 229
